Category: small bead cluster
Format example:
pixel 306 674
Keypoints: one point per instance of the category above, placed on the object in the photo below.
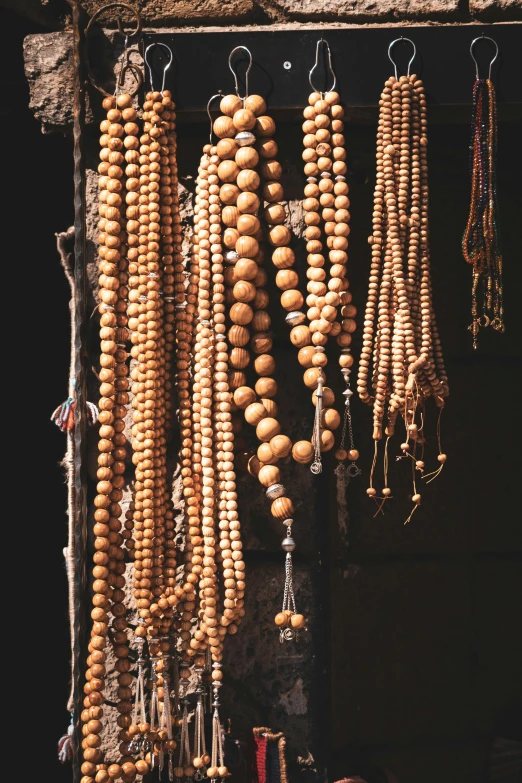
pixel 401 364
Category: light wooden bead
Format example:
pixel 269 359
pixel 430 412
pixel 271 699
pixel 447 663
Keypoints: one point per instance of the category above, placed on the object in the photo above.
pixel 254 465
pixel 244 291
pixel 265 455
pixel 283 257
pixel 303 451
pixel 327 440
pixel 247 158
pixel 266 387
pixel 275 214
pixel 236 378
pixel 282 508
pixel 279 235
pixel 300 336
pixel 344 339
pixel 264 364
pixel 297 621
pixel 321 106
pixel 349 325
pixel 273 191
pixel 244 119
pixel 247 247
pixel 245 268
pixel 286 278
pixel 248 224
pixel 229 193
pixel 248 180
pixel 337 112
pixel 332 97
pixel 311 377
pixel 281 620
pixel 261 321
pixel 271 169
pixel 228 171
pixel 230 104
pixel 254 413
pixel 239 358
pixel 269 475
pixel 229 216
pixel 328 397
pixel 353 455
pixel 341 454
pixel 292 300
pixel 248 202
pixel 270 406
pixel 230 237
pixel 244 396
pixel 224 128
pixel 281 446
pixel 261 342
pixel 226 148
pixel 346 360
pixel 313 98
pixel 241 313
pixel 267 148
pixel 264 126
pixel 255 104
pixel 330 418
pixel 305 356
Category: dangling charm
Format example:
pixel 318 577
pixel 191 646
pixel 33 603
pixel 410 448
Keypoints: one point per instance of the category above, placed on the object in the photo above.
pixel 288 620
pixel 352 470
pixel 217 767
pixel 200 757
pixel 317 466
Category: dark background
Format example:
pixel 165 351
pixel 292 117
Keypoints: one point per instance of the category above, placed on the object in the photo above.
pixel 425 637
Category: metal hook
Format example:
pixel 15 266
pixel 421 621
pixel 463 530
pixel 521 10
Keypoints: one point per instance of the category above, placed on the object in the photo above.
pixel 390 47
pixel 330 67
pixel 127 65
pixel 483 38
pixel 165 69
pixel 219 94
pixel 236 49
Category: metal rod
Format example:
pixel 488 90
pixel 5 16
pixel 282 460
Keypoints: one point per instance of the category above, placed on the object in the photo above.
pixel 80 278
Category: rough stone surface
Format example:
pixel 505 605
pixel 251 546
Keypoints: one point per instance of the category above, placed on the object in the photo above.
pixel 49 71
pixel 158 11
pixel 366 10
pixel 496 9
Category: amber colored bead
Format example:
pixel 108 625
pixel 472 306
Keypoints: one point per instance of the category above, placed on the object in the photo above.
pixel 224 127
pixel 269 475
pixel 281 446
pixel 303 451
pixel 244 396
pixel 282 508
pixel 229 105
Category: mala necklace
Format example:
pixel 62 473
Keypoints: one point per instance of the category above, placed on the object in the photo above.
pixel 248 185
pixel 481 241
pixel 326 206
pixel 401 364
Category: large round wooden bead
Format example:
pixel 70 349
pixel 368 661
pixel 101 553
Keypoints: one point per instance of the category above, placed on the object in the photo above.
pixel 267 148
pixel 264 454
pixel 248 247
pixel 241 313
pixel 292 299
pixel 229 216
pixel 244 396
pixel 239 358
pixel 230 104
pixel 254 413
pixel 275 214
pixel 264 126
pixel 247 158
pixel 300 336
pixel 261 321
pixel 303 451
pixel 330 418
pixel 261 342
pixel 248 180
pixel 273 191
pixel 255 104
pixel 228 171
pixel 266 387
pixel 229 193
pixel 279 235
pixel 282 508
pixel 245 268
pixel 264 364
pixel 230 237
pixel 327 440
pixel 311 377
pixel 254 465
pixel 236 378
pixel 286 278
pixel 244 119
pixel 305 356
pixel 224 128
pixel 248 202
pixel 248 224
pixel 281 446
pixel 269 475
pixel 226 148
pixel 244 291
pixel 283 257
pixel 328 397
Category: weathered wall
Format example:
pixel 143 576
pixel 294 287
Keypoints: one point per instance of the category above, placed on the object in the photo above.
pixel 407 662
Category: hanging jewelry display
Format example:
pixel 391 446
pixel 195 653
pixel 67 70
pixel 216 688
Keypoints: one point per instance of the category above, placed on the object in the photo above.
pixel 481 245
pixel 401 365
pixel 327 218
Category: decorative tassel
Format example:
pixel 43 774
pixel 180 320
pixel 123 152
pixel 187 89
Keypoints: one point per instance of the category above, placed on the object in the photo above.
pixel 65 744
pixel 63 415
pixel 217 767
pixel 317 466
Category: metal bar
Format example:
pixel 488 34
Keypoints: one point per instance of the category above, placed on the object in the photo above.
pixel 80 522
pixel 283 58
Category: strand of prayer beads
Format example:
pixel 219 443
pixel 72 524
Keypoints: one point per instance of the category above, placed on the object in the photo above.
pixel 401 352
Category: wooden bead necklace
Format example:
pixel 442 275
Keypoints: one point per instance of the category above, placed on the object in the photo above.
pixel 326 206
pixel 481 241
pixel 401 364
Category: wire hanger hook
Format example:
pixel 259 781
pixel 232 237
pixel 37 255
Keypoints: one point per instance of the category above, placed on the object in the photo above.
pixel 495 44
pixel 234 74
pixel 165 69
pixel 219 94
pixel 390 47
pixel 330 67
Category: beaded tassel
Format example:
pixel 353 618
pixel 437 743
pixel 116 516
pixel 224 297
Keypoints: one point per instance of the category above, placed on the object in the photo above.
pixel 481 241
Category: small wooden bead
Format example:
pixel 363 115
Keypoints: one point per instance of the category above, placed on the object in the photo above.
pixel 226 149
pixel 264 126
pixel 229 104
pixel 267 148
pixel 254 465
pixel 230 237
pixel 244 119
pixel 264 454
pixel 266 387
pixel 279 235
pixel 270 406
pixel 297 621
pixel 306 355
pixel 303 451
pixel 224 127
pixel 281 446
pixel 261 321
pixel 341 454
pixel 327 440
pixel 244 396
pixel 248 180
pixel 236 378
pixel 353 454
pixel 255 104
pixel 281 620
pixel 254 413
pixel 239 358
pixel 269 475
pixel 282 508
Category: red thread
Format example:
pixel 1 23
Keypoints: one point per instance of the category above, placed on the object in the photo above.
pixel 261 758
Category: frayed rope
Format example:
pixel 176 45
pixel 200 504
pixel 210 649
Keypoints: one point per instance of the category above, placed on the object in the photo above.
pixel 65 744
